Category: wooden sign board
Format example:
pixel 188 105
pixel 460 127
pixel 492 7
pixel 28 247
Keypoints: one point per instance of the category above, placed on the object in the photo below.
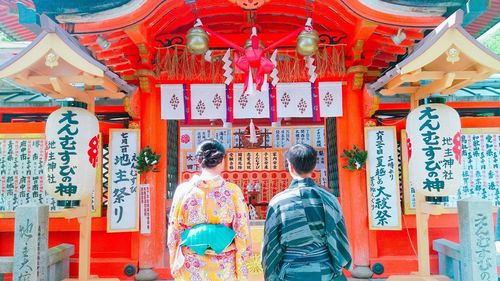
pixel 124 190
pixel 269 156
pixel 382 178
pixel 22 161
pixel 480 169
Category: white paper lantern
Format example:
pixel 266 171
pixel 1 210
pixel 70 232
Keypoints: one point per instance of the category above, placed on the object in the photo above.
pixel 434 149
pixel 72 135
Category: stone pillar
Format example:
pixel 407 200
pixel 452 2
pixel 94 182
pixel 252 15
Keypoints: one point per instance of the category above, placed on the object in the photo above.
pixel 31 243
pixel 477 246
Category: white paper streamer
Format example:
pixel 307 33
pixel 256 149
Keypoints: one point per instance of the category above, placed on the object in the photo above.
pixel 274 73
pixel 251 86
pixel 253 133
pixel 208 56
pixel 228 70
pixel 311 68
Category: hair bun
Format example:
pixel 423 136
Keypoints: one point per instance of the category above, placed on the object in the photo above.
pixel 210 153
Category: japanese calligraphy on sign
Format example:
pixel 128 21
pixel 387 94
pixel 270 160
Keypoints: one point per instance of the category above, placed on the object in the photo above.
pixel 267 157
pixel 382 178
pixel 302 135
pixel 282 138
pixel 145 209
pixel 319 137
pixel 201 135
pixel 22 161
pixel 123 201
pixel 480 169
pixel 189 162
pixel 224 137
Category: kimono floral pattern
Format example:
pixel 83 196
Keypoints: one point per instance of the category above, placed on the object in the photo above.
pixel 213 201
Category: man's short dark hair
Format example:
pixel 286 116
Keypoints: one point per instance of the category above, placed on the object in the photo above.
pixel 302 157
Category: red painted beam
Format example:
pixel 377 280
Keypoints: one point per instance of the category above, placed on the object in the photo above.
pixel 411 33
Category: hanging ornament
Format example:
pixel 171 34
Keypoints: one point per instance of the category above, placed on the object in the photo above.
pixel 253 58
pixel 274 73
pixel 434 149
pixel 252 138
pixel 197 41
pixel 307 41
pixel 228 69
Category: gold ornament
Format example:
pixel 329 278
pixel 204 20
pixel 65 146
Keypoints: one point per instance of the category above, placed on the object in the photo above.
pixel 51 60
pixel 197 41
pixel 307 42
pixel 248 44
pixel 453 55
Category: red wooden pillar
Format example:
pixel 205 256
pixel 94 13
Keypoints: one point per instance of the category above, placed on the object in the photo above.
pixel 152 247
pixel 353 193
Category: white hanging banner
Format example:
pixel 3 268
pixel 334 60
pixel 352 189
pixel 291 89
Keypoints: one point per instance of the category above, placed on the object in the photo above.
pixel 294 100
pixel 250 106
pixel 382 176
pixel 145 209
pixel 208 101
pixel 172 101
pixel 330 99
pixel 123 196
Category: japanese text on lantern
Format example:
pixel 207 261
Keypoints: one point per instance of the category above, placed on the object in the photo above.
pixel 428 129
pixel 67 144
pixel 124 197
pixel 382 177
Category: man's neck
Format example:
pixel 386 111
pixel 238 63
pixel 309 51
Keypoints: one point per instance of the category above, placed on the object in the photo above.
pixel 300 177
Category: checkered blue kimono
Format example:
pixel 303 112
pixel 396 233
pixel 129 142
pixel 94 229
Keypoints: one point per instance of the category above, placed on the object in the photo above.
pixel 305 236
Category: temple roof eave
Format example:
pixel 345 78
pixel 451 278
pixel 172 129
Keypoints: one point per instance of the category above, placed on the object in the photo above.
pixel 447 35
pixel 78 61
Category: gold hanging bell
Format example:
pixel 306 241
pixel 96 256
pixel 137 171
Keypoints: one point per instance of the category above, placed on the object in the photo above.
pixel 197 41
pixel 307 42
pixel 248 44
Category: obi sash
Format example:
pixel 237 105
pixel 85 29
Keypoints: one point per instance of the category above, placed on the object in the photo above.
pixel 205 236
pixel 297 256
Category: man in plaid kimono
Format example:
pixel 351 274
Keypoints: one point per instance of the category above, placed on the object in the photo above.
pixel 305 236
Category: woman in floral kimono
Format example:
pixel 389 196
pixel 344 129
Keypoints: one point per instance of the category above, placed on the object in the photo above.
pixel 208 231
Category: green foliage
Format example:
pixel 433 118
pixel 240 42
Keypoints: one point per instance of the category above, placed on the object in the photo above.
pixel 492 40
pixel 356 158
pixel 147 161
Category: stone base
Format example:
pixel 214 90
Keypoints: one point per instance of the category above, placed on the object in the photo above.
pixel 361 272
pixel 146 274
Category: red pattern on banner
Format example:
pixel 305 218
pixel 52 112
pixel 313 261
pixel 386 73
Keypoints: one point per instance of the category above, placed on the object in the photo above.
pixel 217 101
pixel 174 101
